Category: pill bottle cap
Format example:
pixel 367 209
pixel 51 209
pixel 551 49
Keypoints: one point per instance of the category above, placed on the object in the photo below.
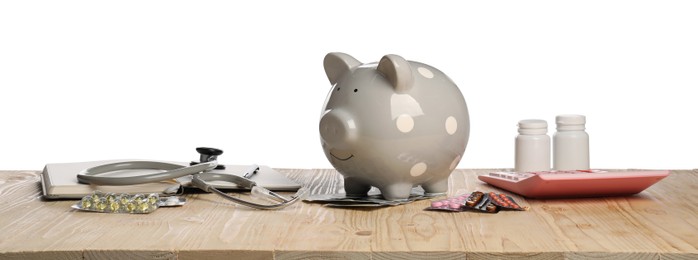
pixel 533 126
pixel 570 122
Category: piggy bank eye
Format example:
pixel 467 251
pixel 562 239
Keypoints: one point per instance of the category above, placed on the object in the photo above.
pixel 356 90
pixel 337 89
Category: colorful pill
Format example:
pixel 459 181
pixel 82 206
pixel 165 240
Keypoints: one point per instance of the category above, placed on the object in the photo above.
pixel 437 204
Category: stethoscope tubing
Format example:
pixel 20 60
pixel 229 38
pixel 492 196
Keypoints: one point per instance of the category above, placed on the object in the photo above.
pixel 171 171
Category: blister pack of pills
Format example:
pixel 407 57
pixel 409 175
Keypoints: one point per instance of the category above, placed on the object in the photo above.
pixel 477 201
pixel 126 203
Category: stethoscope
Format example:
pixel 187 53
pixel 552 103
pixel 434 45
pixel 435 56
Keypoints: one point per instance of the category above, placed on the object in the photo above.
pixel 201 175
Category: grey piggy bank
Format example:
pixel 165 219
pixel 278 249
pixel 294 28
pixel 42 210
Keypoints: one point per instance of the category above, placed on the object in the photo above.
pixel 393 125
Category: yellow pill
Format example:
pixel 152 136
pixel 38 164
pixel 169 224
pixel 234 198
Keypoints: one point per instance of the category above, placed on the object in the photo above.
pixel 114 206
pixel 143 207
pixel 95 198
pixel 86 202
pixel 101 205
pixel 131 207
pixel 123 199
pixel 153 199
pixel 138 198
pixel 111 197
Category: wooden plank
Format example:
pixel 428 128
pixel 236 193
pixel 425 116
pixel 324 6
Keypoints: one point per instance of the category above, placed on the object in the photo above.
pixel 54 255
pixel 407 255
pixel 321 255
pixel 658 223
pixel 515 255
pixel 679 256
pixel 611 256
pixel 129 254
pixel 224 255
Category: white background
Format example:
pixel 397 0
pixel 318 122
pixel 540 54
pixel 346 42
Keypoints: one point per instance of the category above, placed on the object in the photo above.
pixel 93 80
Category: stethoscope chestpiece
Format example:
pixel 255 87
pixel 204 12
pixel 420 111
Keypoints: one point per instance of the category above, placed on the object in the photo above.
pixel 207 154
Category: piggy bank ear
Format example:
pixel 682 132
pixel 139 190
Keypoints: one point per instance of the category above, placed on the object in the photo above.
pixel 397 70
pixel 337 63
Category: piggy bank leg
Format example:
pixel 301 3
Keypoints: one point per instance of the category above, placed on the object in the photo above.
pixel 398 191
pixel 356 188
pixel 436 187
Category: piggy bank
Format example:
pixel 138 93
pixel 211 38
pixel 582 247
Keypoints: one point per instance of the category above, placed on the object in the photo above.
pixel 393 125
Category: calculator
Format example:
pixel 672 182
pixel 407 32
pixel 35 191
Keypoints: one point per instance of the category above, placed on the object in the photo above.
pixel 578 183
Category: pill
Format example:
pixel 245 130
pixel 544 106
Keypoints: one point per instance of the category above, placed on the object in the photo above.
pixel 454 205
pixel 437 204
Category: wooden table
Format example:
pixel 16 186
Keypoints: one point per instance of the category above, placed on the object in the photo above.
pixel 659 223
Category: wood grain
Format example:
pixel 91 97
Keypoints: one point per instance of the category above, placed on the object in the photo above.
pixel 659 223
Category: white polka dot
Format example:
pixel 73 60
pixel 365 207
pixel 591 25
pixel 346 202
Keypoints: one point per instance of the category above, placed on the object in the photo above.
pixel 404 123
pixel 425 72
pixel 451 125
pixel 418 169
pixel 454 163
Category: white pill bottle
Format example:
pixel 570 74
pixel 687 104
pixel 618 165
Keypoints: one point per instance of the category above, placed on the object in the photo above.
pixel 532 147
pixel 570 143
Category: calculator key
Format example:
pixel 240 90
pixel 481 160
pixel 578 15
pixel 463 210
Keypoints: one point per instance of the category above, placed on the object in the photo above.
pixel 514 176
pixel 524 175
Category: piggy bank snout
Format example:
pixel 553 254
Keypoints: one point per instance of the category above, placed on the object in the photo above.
pixel 338 129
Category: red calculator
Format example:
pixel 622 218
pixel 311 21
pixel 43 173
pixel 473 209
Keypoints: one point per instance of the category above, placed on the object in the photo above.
pixel 579 183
